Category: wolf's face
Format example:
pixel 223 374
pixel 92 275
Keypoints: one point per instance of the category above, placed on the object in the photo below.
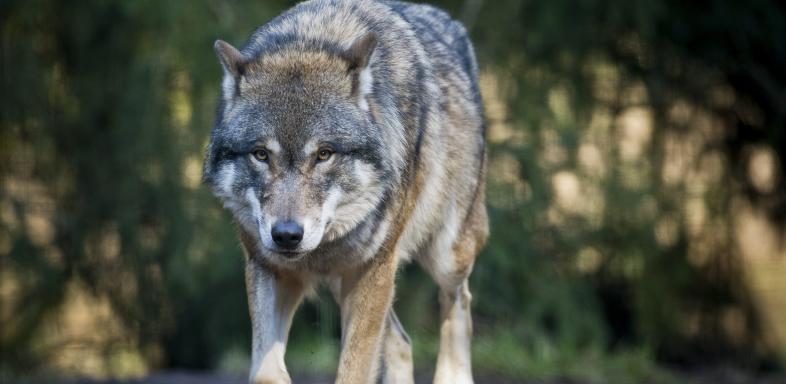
pixel 294 154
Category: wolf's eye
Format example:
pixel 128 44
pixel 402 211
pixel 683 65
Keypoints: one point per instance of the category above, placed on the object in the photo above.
pixel 324 154
pixel 260 154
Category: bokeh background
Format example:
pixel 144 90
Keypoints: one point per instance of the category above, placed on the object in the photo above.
pixel 636 191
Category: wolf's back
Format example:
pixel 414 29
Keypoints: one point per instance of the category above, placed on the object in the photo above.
pixel 412 35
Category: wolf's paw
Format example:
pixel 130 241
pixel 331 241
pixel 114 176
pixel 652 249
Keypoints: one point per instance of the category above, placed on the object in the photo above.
pixel 271 380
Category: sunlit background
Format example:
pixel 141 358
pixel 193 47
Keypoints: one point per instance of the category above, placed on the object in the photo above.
pixel 636 190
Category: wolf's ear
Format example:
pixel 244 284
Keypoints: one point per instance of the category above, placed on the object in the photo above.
pixel 359 57
pixel 359 53
pixel 233 62
pixel 231 59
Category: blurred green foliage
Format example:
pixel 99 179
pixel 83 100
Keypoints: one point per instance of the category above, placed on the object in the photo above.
pixel 107 106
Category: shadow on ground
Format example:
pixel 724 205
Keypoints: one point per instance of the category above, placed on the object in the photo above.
pixel 200 378
pixel 711 376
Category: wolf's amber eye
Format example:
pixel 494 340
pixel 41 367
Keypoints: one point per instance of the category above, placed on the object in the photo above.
pixel 324 154
pixel 260 154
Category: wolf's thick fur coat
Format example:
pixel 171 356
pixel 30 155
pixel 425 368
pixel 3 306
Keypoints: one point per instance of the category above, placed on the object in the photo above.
pixel 360 121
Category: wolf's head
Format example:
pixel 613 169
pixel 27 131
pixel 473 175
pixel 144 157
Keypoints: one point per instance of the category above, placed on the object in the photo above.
pixel 294 153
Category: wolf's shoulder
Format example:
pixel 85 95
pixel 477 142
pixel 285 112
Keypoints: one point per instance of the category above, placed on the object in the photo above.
pixel 429 21
pixel 444 38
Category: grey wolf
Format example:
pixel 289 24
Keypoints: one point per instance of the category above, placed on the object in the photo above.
pixel 350 140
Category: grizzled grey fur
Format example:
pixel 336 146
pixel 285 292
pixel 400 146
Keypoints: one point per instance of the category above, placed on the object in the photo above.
pixel 350 139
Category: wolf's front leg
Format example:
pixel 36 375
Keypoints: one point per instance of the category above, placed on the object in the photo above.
pixel 272 300
pixel 365 299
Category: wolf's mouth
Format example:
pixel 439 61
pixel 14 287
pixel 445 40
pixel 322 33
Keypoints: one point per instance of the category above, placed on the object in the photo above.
pixel 288 254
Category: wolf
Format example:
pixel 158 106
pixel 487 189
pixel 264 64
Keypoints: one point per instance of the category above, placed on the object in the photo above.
pixel 349 140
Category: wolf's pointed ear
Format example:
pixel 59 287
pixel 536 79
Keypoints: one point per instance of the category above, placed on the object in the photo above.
pixel 359 57
pixel 231 59
pixel 233 62
pixel 359 53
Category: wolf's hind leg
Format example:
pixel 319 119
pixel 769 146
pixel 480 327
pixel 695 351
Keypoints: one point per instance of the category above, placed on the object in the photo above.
pixel 454 363
pixel 396 364
pixel 451 269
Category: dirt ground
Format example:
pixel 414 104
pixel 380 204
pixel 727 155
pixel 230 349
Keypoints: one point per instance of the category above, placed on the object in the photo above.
pixel 198 378
pixel 714 376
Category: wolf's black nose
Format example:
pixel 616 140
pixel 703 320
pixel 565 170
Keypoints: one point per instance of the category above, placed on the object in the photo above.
pixel 287 234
